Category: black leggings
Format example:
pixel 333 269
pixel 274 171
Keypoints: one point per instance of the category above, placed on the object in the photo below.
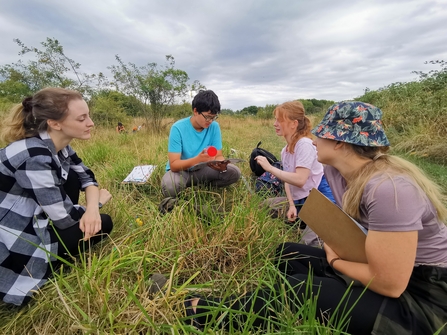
pixel 71 239
pixel 296 261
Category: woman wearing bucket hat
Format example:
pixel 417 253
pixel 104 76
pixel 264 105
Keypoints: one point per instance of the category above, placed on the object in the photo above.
pixel 402 287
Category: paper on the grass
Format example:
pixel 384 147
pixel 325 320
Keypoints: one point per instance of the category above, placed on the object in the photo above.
pixel 140 174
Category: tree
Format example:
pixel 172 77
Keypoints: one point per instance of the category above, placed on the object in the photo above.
pixel 52 67
pixel 434 80
pixel 178 111
pixel 266 113
pixel 13 90
pixel 308 105
pixel 435 83
pixel 312 106
pixel 107 111
pixel 251 110
pixel 226 111
pixel 128 104
pixel 156 87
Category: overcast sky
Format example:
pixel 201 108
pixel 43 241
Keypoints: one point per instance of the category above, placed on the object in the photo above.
pixel 250 52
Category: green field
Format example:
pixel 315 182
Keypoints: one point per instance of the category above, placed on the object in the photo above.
pixel 106 292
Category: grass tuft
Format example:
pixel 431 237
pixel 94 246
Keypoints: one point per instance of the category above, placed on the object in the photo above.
pixel 215 241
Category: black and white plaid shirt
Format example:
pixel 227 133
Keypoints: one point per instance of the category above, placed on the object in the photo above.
pixel 32 175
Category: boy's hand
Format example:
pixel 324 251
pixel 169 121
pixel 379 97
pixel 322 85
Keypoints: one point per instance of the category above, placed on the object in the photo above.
pixel 220 166
pixel 204 157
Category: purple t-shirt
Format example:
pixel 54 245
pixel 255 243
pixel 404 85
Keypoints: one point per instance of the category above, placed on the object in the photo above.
pixel 304 156
pixel 398 204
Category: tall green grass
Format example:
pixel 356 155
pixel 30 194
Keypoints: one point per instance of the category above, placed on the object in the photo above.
pixel 415 113
pixel 106 290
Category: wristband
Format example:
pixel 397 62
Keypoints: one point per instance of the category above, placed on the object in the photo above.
pixel 100 205
pixel 333 260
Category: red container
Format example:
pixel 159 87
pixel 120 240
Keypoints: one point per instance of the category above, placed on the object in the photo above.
pixel 211 151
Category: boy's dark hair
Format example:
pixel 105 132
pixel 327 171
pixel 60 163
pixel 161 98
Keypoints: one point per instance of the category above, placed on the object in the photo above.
pixel 206 101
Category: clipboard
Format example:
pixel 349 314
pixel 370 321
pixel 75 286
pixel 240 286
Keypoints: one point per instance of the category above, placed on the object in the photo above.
pixel 336 228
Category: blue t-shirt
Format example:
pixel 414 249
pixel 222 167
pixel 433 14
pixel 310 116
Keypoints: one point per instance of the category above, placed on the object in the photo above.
pixel 189 142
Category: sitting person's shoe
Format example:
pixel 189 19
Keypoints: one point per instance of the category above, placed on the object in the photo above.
pixel 297 224
pixel 190 317
pixel 158 283
pixel 167 205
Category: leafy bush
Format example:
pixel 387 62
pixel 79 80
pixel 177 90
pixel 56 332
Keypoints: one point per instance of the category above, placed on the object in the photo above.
pixel 106 111
pixel 415 113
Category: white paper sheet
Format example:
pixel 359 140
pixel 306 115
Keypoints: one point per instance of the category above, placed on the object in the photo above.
pixel 140 174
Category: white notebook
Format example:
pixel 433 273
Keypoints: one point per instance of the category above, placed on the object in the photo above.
pixel 140 174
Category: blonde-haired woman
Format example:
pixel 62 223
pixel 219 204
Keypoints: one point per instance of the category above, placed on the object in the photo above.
pixel 40 180
pixel 301 170
pixel 403 283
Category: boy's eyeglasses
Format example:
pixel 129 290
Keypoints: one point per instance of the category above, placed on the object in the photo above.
pixel 210 118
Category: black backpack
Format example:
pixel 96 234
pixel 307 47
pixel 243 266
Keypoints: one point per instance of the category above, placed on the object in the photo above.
pixel 269 185
pixel 254 166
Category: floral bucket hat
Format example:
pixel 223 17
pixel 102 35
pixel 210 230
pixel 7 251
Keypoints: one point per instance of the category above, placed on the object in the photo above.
pixel 353 122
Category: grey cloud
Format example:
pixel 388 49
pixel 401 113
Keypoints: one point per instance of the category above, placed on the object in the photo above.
pixel 249 52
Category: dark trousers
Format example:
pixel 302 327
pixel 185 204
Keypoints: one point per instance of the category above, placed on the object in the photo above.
pixel 296 261
pixel 71 239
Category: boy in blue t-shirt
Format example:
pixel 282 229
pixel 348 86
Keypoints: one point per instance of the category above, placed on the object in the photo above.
pixel 189 140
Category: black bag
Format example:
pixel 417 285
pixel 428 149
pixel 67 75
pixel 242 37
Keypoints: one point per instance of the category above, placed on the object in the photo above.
pixel 268 184
pixel 254 166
